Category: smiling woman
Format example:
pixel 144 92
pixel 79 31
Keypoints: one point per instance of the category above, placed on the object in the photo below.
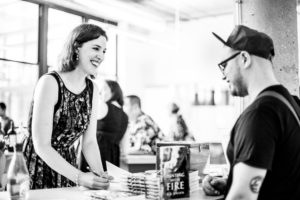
pixel 91 54
pixel 63 109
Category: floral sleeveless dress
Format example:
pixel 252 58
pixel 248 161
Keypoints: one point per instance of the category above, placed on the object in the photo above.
pixel 70 120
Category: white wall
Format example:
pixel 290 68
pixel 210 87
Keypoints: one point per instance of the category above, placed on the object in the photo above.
pixel 184 62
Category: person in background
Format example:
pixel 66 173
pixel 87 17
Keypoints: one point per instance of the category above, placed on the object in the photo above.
pixel 143 133
pixel 112 127
pixel 178 128
pixel 264 145
pixel 5 121
pixel 2 160
pixel 64 108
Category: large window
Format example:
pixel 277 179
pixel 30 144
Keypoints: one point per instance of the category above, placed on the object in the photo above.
pixel 60 25
pixel 19 67
pixel 18 56
pixel 18 35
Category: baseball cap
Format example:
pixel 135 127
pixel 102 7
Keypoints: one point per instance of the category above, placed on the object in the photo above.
pixel 243 38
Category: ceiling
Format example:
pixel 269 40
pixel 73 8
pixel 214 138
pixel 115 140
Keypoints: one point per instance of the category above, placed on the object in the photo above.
pixel 166 11
pixel 156 15
pixel 186 10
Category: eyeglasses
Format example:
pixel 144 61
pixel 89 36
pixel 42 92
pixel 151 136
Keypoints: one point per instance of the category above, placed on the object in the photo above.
pixel 222 65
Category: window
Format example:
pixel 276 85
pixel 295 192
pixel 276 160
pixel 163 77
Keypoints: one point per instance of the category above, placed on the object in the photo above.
pixel 18 56
pixel 17 82
pixel 60 25
pixel 18 40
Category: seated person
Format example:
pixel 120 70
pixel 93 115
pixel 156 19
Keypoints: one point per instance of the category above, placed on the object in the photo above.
pixel 143 133
pixel 178 128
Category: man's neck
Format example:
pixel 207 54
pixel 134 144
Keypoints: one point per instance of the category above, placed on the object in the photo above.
pixel 3 117
pixel 262 76
pixel 135 116
pixel 259 86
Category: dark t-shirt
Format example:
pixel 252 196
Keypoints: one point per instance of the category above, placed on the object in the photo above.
pixel 267 136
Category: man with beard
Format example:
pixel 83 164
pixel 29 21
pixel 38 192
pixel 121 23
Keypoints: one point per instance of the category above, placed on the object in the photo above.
pixel 264 145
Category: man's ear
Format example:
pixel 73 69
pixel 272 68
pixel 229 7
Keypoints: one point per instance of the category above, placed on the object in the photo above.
pixel 246 59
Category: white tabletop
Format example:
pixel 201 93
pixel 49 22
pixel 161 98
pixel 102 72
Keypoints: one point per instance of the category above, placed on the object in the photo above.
pixel 76 193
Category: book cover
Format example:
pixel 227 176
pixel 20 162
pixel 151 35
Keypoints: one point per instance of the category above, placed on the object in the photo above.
pixel 199 154
pixel 174 167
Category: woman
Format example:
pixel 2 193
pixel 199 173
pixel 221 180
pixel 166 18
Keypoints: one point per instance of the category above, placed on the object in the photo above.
pixel 112 127
pixel 64 108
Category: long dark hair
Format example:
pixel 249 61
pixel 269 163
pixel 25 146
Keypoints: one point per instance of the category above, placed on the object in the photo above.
pixel 79 35
pixel 116 91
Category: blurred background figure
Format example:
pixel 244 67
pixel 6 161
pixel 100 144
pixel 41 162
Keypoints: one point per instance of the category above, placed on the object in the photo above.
pixel 2 159
pixel 112 127
pixel 143 133
pixel 178 128
pixel 5 121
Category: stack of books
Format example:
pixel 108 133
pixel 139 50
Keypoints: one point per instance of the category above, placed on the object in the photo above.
pixel 194 179
pixel 134 183
pixel 179 172
pixel 154 185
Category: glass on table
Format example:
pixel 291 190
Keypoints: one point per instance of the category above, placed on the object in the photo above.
pixel 2 162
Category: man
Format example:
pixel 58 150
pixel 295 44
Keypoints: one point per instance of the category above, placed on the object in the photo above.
pixel 143 132
pixel 5 121
pixel 264 146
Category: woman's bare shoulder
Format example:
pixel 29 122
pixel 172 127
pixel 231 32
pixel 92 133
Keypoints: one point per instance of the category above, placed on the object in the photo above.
pixel 47 87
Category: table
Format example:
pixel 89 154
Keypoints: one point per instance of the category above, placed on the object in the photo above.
pixel 77 193
pixel 138 163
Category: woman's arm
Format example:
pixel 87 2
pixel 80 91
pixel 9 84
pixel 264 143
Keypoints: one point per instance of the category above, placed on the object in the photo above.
pixel 90 147
pixel 45 98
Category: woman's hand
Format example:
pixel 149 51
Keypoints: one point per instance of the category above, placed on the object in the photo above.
pixel 213 186
pixel 92 181
pixel 106 175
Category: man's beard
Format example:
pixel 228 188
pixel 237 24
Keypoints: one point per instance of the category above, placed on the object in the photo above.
pixel 239 88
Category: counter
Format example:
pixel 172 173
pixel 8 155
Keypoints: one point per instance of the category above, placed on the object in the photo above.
pixel 77 193
pixel 138 163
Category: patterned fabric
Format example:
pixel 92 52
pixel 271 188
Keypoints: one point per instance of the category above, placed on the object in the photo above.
pixel 70 120
pixel 179 129
pixel 144 134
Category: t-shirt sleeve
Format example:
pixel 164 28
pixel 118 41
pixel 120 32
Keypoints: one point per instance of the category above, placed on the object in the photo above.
pixel 256 137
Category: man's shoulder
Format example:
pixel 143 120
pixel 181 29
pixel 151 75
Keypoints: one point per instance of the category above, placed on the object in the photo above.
pixel 280 89
pixel 264 102
pixel 144 117
pixel 297 100
pixel 6 118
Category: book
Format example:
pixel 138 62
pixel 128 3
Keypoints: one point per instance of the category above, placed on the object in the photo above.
pixel 174 165
pixel 199 154
pixel 153 186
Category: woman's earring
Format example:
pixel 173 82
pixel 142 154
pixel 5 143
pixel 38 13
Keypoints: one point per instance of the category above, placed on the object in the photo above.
pixel 77 56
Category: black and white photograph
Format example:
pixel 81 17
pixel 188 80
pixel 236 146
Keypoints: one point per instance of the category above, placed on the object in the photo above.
pixel 149 99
